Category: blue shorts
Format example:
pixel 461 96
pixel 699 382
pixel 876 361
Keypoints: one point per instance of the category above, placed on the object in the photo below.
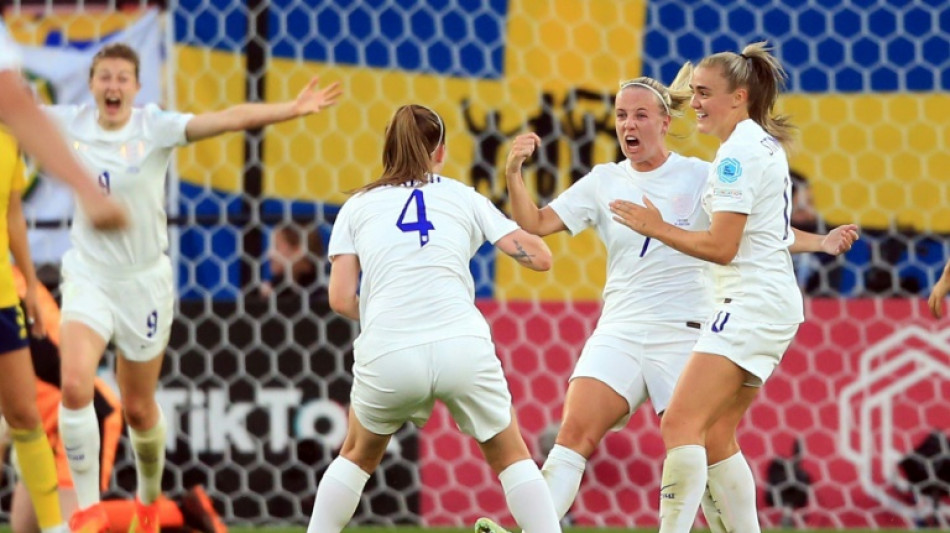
pixel 13 332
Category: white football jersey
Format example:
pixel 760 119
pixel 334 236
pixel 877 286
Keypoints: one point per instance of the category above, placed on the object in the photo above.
pixel 9 53
pixel 750 175
pixel 414 245
pixel 130 165
pixel 647 281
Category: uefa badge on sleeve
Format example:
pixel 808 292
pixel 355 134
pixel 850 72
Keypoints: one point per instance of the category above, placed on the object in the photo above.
pixel 729 170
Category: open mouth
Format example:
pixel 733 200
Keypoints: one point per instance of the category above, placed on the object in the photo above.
pixel 632 142
pixel 113 104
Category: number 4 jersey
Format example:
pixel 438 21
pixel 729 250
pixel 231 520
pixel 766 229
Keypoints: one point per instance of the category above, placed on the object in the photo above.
pixel 414 245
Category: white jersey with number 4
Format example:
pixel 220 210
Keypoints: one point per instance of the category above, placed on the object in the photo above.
pixel 750 176
pixel 647 281
pixel 414 245
pixel 130 165
pixel 9 53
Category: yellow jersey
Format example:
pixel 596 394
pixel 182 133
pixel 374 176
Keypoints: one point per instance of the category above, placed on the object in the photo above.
pixel 12 178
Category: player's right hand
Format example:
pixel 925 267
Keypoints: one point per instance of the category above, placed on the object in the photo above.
pixel 104 213
pixel 522 148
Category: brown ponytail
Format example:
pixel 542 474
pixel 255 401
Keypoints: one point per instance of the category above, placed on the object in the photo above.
pixel 764 78
pixel 412 137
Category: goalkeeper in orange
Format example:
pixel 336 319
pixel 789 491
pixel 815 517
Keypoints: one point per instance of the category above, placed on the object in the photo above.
pixel 193 512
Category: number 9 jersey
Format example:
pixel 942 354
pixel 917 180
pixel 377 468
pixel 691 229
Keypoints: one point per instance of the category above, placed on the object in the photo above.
pixel 414 244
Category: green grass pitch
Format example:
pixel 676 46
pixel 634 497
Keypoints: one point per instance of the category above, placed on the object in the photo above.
pixel 5 528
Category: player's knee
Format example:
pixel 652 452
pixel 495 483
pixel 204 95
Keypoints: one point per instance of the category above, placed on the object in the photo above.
pixel 77 392
pixel 140 413
pixel 720 445
pixel 21 415
pixel 579 436
pixel 677 430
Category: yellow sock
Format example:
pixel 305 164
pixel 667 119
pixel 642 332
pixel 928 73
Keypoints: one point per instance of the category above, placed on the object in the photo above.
pixel 38 469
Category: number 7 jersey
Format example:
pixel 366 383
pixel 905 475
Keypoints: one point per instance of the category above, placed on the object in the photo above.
pixel 414 245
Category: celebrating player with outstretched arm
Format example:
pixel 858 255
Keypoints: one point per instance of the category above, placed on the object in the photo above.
pixel 118 286
pixel 411 233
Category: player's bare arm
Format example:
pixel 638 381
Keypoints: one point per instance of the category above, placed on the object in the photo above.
pixel 719 244
pixel 40 138
pixel 542 221
pixel 312 99
pixel 20 250
pixel 939 292
pixel 529 250
pixel 836 242
pixel 344 283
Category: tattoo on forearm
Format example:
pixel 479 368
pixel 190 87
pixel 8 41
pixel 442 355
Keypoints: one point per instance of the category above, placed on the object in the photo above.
pixel 522 256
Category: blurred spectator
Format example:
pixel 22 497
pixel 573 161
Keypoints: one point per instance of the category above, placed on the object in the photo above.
pixel 295 257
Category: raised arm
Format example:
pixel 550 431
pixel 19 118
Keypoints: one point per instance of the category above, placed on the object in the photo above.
pixel 247 116
pixel 344 284
pixel 836 242
pixel 529 250
pixel 39 137
pixel 542 221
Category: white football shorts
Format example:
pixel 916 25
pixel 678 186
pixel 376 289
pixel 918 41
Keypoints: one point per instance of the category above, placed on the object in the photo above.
pixel 131 307
pixel 644 362
pixel 463 373
pixel 756 347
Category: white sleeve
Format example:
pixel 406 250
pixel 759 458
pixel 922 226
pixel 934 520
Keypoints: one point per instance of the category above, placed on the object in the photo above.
pixel 492 222
pixel 9 52
pixel 341 237
pixel 734 180
pixel 166 128
pixel 577 206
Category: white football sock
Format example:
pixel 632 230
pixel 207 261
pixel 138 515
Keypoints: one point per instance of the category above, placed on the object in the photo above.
pixel 149 449
pixel 79 429
pixel 712 513
pixel 528 497
pixel 684 480
pixel 563 471
pixel 338 495
pixel 733 487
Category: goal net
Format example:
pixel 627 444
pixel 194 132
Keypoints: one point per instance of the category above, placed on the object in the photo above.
pixel 850 432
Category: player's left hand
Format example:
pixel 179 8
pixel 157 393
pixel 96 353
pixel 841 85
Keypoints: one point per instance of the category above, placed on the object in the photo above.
pixel 313 99
pixel 840 239
pixel 935 302
pixel 644 219
pixel 34 318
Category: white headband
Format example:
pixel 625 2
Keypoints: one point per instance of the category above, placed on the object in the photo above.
pixel 654 91
pixel 437 119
